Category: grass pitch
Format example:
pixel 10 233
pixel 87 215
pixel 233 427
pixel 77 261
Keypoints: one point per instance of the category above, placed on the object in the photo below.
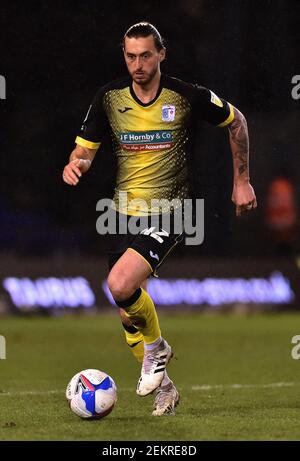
pixel 236 377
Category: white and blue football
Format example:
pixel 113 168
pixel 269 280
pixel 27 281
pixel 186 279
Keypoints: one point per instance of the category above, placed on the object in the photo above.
pixel 91 394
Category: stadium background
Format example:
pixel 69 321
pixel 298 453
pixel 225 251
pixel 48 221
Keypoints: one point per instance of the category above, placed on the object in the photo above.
pixel 54 56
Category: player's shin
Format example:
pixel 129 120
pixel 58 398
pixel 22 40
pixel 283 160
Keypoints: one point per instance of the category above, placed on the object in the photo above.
pixel 142 314
pixel 157 352
pixel 135 341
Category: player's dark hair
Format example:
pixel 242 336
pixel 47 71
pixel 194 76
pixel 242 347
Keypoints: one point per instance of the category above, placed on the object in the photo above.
pixel 144 29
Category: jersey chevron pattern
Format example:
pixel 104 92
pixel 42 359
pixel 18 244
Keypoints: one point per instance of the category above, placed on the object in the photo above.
pixel 150 140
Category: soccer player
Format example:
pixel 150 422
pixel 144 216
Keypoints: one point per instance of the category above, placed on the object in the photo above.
pixel 149 116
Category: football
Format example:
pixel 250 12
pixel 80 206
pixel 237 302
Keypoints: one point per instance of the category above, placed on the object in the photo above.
pixel 91 394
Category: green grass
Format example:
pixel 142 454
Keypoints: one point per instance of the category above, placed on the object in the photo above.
pixel 218 351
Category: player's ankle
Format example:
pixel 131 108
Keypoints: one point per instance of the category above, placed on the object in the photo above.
pixel 166 380
pixel 151 346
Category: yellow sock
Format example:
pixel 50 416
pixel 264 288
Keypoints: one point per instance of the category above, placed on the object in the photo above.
pixel 143 316
pixel 136 343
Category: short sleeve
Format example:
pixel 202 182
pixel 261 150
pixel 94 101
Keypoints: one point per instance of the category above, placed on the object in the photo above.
pixel 94 125
pixel 212 108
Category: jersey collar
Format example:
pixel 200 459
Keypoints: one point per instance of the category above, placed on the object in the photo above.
pixel 153 100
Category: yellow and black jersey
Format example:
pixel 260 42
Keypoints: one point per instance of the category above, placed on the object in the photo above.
pixel 150 140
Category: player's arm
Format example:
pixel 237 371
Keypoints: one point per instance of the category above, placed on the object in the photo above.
pixel 221 113
pixel 243 194
pixel 79 162
pixel 87 142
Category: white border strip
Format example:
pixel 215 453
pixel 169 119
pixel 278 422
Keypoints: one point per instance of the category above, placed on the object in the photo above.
pixel 207 387
pixel 196 387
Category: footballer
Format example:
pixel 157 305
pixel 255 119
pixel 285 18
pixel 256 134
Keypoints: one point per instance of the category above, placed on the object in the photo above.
pixel 149 116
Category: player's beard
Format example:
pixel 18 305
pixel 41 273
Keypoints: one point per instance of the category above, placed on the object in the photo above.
pixel 143 78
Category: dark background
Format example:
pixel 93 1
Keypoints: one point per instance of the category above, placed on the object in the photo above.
pixel 55 55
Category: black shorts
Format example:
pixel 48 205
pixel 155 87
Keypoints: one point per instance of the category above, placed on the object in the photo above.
pixel 154 242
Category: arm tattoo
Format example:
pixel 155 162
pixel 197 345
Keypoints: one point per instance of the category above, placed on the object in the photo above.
pixel 239 143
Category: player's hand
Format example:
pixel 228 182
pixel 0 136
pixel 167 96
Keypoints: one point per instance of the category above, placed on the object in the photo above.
pixel 74 170
pixel 244 198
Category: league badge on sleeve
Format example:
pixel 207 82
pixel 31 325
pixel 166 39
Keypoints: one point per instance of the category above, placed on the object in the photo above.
pixel 168 113
pixel 215 99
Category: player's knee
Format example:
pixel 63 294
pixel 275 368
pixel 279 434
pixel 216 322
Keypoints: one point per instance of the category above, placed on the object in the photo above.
pixel 120 286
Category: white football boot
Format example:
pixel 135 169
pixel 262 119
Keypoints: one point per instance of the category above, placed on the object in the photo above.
pixel 166 399
pixel 153 368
